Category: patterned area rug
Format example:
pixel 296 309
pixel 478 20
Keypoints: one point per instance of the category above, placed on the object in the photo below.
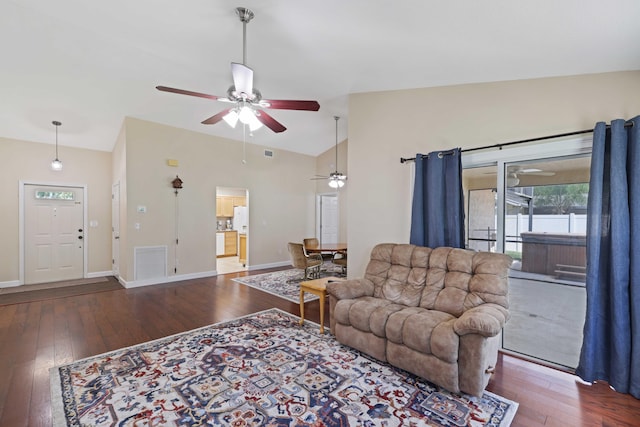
pixel 286 283
pixel 261 370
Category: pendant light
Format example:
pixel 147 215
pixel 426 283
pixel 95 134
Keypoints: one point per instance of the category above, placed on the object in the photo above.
pixel 337 179
pixel 56 164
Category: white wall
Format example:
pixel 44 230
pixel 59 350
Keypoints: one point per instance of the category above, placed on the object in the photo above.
pixel 384 126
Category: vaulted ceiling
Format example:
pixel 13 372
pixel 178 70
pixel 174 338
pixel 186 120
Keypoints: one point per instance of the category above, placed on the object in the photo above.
pixel 90 64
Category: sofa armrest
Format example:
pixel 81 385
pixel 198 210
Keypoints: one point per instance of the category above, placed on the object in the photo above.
pixel 486 320
pixel 349 289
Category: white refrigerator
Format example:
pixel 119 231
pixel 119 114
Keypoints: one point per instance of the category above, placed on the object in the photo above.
pixel 241 219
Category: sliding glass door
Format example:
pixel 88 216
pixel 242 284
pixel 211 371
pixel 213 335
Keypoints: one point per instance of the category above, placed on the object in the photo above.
pixel 534 209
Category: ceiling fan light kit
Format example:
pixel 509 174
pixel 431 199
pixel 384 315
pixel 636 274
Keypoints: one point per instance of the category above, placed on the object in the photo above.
pixel 336 180
pixel 248 100
pixel 56 164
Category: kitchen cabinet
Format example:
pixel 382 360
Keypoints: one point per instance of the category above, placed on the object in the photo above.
pixel 225 204
pixel 242 250
pixel 230 243
pixel 226 243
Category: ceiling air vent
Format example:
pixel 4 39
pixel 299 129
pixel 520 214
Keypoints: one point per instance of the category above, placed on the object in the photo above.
pixel 268 153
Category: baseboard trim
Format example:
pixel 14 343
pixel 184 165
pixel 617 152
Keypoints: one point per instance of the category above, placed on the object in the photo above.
pixel 10 284
pixel 99 274
pixel 168 279
pixel 270 265
pixel 200 275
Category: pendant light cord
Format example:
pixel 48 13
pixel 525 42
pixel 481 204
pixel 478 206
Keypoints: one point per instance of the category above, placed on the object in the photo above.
pixel 56 124
pixel 336 118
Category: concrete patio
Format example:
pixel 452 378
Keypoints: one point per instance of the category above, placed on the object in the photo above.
pixel 547 318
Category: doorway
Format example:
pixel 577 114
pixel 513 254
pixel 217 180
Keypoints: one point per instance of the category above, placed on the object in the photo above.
pixel 232 230
pixel 53 233
pixel 327 224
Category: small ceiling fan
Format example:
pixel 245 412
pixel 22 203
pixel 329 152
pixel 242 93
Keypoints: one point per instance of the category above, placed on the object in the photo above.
pixel 336 179
pixel 529 171
pixel 248 103
pixel 513 173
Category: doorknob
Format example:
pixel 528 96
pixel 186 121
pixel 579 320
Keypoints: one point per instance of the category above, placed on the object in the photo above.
pixel 79 230
pixel 80 237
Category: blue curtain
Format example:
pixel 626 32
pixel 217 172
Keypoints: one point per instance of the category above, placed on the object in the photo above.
pixel 437 214
pixel 611 342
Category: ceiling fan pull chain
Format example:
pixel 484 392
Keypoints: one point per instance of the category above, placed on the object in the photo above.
pixel 244 144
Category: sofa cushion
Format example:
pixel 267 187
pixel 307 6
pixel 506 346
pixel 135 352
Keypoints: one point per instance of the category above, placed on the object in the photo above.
pixel 367 314
pixel 398 272
pixel 426 331
pixel 460 279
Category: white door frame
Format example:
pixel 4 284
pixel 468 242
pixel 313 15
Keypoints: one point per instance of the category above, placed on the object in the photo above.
pixel 319 212
pixel 115 234
pixel 21 222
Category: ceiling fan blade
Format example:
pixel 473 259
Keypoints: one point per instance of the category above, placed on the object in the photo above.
pixel 270 122
pixel 282 104
pixel 186 92
pixel 242 78
pixel 215 119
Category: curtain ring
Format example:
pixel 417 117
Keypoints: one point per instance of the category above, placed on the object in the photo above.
pixel 440 155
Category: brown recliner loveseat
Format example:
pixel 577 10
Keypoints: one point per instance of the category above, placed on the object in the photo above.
pixel 437 313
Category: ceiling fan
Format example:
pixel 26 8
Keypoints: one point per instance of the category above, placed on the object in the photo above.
pixel 513 172
pixel 248 103
pixel 336 179
pixel 529 171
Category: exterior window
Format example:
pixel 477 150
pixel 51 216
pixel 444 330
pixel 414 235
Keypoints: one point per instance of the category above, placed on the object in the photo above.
pixel 55 195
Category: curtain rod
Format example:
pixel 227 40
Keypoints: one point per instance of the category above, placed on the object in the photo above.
pixel 522 141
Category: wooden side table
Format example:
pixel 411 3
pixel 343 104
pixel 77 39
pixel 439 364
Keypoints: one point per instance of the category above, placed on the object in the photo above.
pixel 317 287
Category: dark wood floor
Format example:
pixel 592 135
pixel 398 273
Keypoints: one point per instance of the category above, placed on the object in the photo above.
pixel 35 336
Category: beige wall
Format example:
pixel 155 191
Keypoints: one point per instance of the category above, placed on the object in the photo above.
pixel 29 162
pixel 282 205
pixel 281 208
pixel 385 126
pixel 325 164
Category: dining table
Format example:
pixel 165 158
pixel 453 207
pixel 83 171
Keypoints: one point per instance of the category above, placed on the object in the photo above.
pixel 326 248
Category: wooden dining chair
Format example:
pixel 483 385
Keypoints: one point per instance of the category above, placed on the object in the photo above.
pixel 340 258
pixel 309 263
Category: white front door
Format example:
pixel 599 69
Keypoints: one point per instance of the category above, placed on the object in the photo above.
pixel 53 233
pixel 329 218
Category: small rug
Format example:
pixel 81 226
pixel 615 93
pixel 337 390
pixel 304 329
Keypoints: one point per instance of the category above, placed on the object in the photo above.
pixel 33 293
pixel 261 370
pixel 286 283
